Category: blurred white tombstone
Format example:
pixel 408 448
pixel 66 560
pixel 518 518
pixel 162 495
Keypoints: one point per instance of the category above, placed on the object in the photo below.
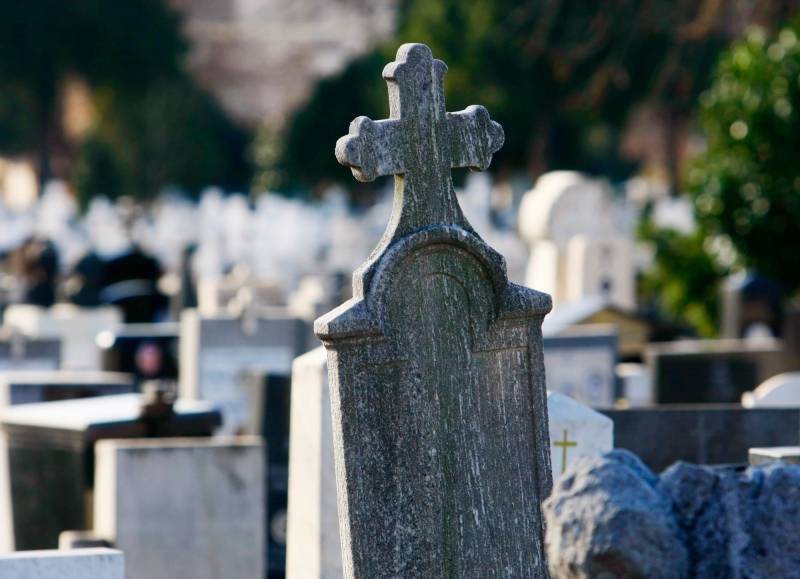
pixel 313 549
pixel 73 564
pixel 217 351
pixel 183 508
pixel 576 431
pixel 636 384
pixel 579 243
pixel 782 390
pixel 76 327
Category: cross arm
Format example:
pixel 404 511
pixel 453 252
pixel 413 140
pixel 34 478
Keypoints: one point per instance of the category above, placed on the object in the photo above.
pixel 474 138
pixel 371 149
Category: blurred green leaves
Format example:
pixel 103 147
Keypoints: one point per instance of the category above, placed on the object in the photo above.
pixel 746 186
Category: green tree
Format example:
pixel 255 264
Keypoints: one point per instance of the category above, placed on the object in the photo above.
pixel 746 185
pixel 123 46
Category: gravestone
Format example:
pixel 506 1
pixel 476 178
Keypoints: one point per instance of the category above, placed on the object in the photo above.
pixel 436 365
pixel 762 456
pixel 148 351
pixel 77 328
pixel 712 371
pixel 269 398
pixel 581 364
pixel 77 564
pixel 576 431
pixel 579 247
pixel 26 386
pixel 183 508
pixel 20 353
pixel 217 351
pixel 780 390
pixel 49 467
pixel 702 433
pixel 313 549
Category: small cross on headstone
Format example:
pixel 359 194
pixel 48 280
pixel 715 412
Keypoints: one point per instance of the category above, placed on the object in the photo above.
pixel 564 445
pixel 435 365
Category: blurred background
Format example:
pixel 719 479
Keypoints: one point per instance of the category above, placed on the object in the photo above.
pixel 200 133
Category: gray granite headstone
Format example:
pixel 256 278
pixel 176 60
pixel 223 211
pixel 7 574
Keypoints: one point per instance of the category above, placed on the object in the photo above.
pixel 436 368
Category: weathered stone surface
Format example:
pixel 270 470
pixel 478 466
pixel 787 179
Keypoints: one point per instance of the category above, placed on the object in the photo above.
pixel 436 370
pixel 701 523
pixel 78 564
pixel 606 518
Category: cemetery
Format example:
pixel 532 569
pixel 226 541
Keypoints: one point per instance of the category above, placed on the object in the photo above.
pixel 496 328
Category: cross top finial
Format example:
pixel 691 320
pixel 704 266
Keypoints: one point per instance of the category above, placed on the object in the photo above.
pixel 420 143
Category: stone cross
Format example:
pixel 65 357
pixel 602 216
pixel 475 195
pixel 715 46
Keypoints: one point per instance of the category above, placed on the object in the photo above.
pixel 435 365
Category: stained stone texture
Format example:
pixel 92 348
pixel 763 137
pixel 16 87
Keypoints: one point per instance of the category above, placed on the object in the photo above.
pixel 313 549
pixel 612 515
pixel 188 508
pixel 436 368
pixel 78 564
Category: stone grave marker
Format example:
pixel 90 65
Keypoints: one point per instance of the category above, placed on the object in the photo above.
pixel 762 456
pixel 712 371
pixel 76 564
pixel 702 433
pixel 26 386
pixel 183 508
pixel 46 474
pixel 77 328
pixel 269 402
pixel 20 353
pixel 576 431
pixel 216 352
pixel 313 549
pixel 148 351
pixel 581 364
pixel 436 367
pixel 780 390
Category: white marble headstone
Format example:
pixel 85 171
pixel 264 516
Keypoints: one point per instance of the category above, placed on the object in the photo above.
pixel 576 431
pixel 313 549
pixel 183 508
pixel 73 564
pixel 780 390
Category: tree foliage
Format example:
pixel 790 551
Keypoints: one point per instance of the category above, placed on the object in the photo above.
pixel 149 115
pixel 746 185
pixel 562 77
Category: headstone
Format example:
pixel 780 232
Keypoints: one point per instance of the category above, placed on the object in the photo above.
pixel 751 303
pixel 20 353
pixel 703 433
pixel 183 508
pixel 49 463
pixel 216 352
pixel 780 390
pixel 579 246
pixel 576 431
pixel 148 351
pixel 77 564
pixel 436 367
pixel 26 386
pixel 762 456
pixel 269 403
pixel 635 383
pixel 77 328
pixel 313 549
pixel 712 371
pixel 581 364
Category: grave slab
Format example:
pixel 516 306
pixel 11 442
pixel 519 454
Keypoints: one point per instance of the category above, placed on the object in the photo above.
pixel 313 547
pixel 436 367
pixel 787 454
pixel 576 431
pixel 76 564
pixel 183 508
pixel 216 352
